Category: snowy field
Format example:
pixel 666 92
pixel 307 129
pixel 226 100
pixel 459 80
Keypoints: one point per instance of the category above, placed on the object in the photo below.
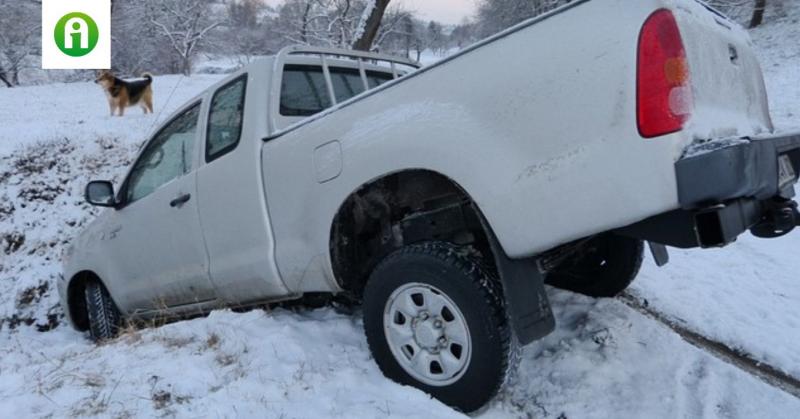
pixel 604 360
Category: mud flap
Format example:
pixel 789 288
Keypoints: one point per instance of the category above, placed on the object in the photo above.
pixel 660 253
pixel 527 304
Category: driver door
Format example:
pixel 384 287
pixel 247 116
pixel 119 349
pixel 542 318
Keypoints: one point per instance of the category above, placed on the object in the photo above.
pixel 159 255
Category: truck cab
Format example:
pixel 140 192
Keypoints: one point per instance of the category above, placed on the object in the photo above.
pixel 201 168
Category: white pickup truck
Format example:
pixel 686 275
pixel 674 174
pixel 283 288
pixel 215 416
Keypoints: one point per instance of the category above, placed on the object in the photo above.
pixel 444 198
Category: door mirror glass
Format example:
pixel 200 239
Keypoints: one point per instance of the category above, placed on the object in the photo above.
pixel 100 193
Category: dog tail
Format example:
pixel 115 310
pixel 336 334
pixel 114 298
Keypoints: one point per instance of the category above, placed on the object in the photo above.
pixel 147 76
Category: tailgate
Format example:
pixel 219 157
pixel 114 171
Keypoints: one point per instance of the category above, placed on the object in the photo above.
pixel 727 82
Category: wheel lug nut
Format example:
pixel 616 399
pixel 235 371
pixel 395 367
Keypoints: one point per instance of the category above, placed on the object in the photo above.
pixel 437 324
pixel 423 315
pixel 443 341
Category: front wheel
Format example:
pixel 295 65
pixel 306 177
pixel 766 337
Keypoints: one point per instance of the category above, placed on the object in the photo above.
pixel 435 320
pixel 104 317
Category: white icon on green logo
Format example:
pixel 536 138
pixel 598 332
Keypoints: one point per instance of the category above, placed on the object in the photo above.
pixel 76 34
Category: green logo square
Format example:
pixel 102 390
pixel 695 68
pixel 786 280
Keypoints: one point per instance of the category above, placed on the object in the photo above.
pixel 76 34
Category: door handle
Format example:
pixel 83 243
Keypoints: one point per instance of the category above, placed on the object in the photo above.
pixel 177 202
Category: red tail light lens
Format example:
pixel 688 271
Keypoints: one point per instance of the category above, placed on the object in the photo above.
pixel 664 93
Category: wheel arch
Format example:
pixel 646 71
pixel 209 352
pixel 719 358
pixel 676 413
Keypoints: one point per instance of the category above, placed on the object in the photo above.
pixel 76 302
pixel 415 205
pixel 396 209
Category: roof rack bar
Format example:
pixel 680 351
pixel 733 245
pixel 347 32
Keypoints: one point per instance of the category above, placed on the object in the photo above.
pixel 328 79
pixel 363 72
pixel 334 52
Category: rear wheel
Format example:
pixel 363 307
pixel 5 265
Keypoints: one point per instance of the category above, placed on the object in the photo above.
pixel 602 267
pixel 104 317
pixel 435 320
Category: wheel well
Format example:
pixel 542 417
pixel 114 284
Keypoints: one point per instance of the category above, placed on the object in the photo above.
pixel 396 210
pixel 76 300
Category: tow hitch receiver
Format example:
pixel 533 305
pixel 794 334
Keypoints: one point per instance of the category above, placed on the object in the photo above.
pixel 780 218
pixel 726 189
pixel 718 225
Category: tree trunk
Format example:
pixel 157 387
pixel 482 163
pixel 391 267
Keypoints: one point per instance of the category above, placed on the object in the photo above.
pixel 186 66
pixel 4 79
pixel 758 13
pixel 364 43
pixel 304 30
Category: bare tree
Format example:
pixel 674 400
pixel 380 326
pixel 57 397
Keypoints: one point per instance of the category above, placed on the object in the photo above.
pixel 435 37
pixel 185 23
pixel 399 33
pixel 19 38
pixel 317 22
pixel 746 12
pixel 246 31
pixel 338 23
pixel 463 34
pixel 497 15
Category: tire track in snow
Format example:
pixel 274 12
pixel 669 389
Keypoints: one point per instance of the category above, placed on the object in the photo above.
pixel 765 372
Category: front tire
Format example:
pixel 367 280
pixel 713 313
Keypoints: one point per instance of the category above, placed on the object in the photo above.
pixel 104 317
pixel 435 320
pixel 603 267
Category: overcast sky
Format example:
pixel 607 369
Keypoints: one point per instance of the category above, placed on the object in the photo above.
pixel 445 11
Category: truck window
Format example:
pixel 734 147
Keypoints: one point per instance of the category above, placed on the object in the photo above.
pixel 303 91
pixel 377 78
pixel 347 82
pixel 225 119
pixel 167 157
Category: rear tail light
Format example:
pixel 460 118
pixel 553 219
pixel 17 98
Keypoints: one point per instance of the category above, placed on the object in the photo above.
pixel 664 94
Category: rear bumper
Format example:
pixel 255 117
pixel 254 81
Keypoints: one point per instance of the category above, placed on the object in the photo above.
pixel 726 188
pixel 721 171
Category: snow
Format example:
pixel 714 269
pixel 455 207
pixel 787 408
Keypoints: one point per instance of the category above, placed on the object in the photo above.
pixel 698 148
pixel 747 294
pixel 603 360
pixel 778 44
pixel 80 110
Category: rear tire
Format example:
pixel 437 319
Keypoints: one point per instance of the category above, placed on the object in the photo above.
pixel 603 267
pixel 104 317
pixel 432 292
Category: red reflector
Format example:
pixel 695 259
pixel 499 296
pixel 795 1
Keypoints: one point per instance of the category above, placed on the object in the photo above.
pixel 664 94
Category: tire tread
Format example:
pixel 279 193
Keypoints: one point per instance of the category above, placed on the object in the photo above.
pixel 104 317
pixel 483 281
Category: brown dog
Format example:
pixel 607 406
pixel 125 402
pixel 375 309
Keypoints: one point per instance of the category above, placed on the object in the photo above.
pixel 122 94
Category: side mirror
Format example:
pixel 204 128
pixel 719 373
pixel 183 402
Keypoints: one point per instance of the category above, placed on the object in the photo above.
pixel 100 193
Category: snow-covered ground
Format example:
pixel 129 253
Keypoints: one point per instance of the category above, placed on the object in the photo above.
pixel 604 359
pixel 748 294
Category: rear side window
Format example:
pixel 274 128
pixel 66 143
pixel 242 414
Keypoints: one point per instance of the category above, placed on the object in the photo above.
pixel 376 78
pixel 225 119
pixel 347 83
pixel 303 91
